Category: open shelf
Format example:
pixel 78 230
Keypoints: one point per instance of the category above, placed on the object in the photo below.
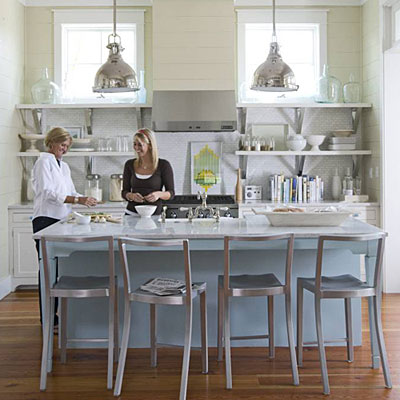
pixel 88 105
pixel 82 154
pixel 305 153
pixel 304 105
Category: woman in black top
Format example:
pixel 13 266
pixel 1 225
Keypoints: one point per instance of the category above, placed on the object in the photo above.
pixel 146 176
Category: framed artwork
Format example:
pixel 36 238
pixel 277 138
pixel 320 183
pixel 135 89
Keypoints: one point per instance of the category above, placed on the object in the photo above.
pixel 77 132
pixel 206 167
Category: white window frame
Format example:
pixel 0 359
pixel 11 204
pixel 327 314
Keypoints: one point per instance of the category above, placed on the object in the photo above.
pixel 86 16
pixel 317 17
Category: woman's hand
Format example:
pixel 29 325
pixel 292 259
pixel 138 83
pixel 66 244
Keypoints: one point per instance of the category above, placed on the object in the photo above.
pixel 87 201
pixel 152 197
pixel 136 197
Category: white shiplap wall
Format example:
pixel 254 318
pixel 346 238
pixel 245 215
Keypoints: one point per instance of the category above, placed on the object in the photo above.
pixel 11 92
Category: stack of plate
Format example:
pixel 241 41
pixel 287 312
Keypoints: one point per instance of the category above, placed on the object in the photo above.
pixel 342 143
pixel 81 144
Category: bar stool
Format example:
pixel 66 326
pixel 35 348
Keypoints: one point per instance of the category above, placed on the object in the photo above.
pixel 342 287
pixel 78 287
pixel 153 300
pixel 254 285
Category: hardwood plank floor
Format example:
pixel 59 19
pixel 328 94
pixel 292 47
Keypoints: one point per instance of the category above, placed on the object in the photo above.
pixel 255 377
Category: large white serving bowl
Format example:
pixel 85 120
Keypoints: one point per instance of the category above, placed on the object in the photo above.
pixel 296 143
pixel 145 211
pixel 315 141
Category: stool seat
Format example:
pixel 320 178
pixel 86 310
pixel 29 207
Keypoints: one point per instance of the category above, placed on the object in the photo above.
pixel 82 282
pixel 175 299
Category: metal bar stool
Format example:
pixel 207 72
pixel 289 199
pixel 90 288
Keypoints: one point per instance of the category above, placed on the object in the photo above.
pixel 153 300
pixel 342 287
pixel 78 287
pixel 254 285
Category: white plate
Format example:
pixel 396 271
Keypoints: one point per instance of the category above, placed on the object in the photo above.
pixel 81 149
pixel 305 218
pixel 342 132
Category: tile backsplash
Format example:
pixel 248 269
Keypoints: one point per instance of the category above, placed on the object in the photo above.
pixel 175 146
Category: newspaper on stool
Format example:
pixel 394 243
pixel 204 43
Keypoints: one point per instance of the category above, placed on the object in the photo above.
pixel 165 286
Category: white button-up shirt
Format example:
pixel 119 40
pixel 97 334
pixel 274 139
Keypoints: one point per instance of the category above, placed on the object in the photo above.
pixel 52 184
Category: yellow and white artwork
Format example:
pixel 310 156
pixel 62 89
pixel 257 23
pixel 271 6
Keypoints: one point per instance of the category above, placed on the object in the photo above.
pixel 206 167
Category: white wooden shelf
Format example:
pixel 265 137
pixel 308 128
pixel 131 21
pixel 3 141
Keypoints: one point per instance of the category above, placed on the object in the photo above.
pixel 84 106
pixel 305 153
pixel 82 154
pixel 304 105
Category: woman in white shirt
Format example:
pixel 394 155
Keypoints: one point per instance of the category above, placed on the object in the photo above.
pixel 52 184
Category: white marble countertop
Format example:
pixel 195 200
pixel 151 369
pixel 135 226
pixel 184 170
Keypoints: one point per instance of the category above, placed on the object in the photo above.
pixel 119 205
pixel 324 203
pixel 199 229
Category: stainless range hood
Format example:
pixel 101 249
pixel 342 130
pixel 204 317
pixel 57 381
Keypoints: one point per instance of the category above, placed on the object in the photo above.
pixel 197 110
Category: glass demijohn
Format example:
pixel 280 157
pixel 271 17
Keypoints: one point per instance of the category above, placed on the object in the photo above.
pixel 352 91
pixel 45 91
pixel 328 88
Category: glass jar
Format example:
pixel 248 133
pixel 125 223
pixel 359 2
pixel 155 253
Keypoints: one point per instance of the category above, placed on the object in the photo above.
pixel 93 187
pixel 116 187
pixel 348 183
pixel 45 91
pixel 357 185
pixel 142 93
pixel 328 88
pixel 352 91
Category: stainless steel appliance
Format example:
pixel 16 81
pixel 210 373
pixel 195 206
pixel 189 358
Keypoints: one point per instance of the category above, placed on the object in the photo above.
pixel 194 110
pixel 179 206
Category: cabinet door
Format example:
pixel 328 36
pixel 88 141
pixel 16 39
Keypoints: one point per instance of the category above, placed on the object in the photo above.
pixel 25 255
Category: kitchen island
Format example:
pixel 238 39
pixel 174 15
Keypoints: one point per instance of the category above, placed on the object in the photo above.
pixel 89 317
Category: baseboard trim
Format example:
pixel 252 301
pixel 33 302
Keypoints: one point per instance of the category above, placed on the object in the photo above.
pixel 5 286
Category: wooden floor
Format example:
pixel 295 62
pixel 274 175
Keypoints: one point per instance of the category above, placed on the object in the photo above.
pixel 254 375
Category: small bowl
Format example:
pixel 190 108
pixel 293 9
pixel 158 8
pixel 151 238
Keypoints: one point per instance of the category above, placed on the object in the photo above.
pixel 315 141
pixel 82 220
pixel 145 211
pixel 342 132
pixel 296 143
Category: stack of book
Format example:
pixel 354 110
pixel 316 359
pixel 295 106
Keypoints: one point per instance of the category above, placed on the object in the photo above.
pixel 296 189
pixel 342 143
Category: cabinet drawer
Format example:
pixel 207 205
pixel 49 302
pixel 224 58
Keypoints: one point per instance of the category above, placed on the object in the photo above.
pixel 24 218
pixel 365 214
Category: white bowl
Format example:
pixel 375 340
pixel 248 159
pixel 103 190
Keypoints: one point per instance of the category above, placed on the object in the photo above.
pixel 314 141
pixel 83 219
pixel 296 143
pixel 145 211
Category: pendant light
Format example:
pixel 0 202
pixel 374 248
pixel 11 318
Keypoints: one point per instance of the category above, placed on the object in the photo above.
pixel 273 75
pixel 115 75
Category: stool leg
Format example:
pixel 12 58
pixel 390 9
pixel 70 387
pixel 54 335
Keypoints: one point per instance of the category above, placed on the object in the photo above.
pixel 63 329
pixel 45 349
pixel 220 323
pixel 153 335
pixel 124 348
pixel 227 340
pixel 116 325
pixel 349 330
pixel 51 338
pixel 289 324
pixel 299 324
pixel 204 340
pixel 381 340
pixel 186 352
pixel 271 338
pixel 111 324
pixel 321 348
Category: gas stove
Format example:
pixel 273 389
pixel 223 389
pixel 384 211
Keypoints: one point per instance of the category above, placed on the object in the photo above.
pixel 191 201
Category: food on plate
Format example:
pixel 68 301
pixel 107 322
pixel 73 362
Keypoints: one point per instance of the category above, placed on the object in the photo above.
pixel 288 209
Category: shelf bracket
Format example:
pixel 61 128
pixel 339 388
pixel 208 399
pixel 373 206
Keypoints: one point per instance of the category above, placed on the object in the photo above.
pixel 89 165
pixel 355 118
pixel 243 166
pixel 242 116
pixel 356 165
pixel 37 117
pixel 299 164
pixel 139 117
pixel 89 120
pixel 298 119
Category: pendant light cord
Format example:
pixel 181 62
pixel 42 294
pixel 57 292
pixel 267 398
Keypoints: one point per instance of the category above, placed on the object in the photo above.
pixel 273 19
pixel 115 18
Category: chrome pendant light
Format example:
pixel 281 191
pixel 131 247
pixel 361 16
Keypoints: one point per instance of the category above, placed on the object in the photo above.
pixel 115 75
pixel 273 75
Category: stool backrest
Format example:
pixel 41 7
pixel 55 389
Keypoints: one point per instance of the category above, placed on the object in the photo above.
pixel 289 253
pixel 182 244
pixel 379 237
pixel 108 240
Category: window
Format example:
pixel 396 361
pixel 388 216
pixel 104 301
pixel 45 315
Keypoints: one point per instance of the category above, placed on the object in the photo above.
pixel 81 37
pixel 302 41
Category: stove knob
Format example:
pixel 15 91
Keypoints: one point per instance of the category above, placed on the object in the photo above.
pixel 228 214
pixel 173 214
pixel 201 214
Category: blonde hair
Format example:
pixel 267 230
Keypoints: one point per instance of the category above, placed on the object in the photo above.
pixel 57 135
pixel 147 136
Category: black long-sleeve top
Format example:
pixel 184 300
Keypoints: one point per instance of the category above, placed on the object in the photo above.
pixel 163 177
